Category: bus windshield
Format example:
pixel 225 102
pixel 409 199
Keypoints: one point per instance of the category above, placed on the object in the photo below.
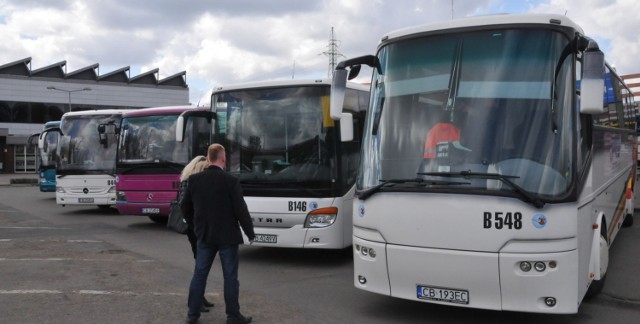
pixel 80 148
pixel 494 104
pixel 277 137
pixel 151 139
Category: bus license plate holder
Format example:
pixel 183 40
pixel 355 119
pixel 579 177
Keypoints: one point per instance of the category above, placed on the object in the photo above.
pixel 449 295
pixel 85 200
pixel 266 238
pixel 151 210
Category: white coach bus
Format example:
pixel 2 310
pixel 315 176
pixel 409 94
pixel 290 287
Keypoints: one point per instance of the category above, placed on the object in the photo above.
pixel 297 176
pixel 86 155
pixel 512 200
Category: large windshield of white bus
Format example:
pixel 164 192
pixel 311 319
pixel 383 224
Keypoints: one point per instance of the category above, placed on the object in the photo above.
pixel 277 137
pixel 494 104
pixel 81 149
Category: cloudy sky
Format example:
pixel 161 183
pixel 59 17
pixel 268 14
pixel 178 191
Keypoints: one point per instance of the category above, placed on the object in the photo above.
pixel 220 42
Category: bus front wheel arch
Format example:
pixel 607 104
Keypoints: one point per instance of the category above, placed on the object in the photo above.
pixel 603 253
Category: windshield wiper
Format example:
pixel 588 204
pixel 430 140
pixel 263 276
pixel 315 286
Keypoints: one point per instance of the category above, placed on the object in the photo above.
pixel 390 183
pixel 524 195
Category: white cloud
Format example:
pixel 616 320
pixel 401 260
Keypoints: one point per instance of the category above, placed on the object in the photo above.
pixel 232 41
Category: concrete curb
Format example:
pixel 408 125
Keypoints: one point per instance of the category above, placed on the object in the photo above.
pixel 23 181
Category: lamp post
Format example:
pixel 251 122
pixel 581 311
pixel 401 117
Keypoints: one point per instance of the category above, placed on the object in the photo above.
pixel 68 91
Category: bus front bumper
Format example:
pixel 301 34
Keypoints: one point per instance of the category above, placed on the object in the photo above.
pixel 468 279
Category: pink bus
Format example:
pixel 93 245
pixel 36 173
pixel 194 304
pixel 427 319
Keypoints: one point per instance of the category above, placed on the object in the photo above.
pixel 149 159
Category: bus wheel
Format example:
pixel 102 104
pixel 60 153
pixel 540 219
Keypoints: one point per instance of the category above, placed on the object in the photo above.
pixel 628 221
pixel 597 285
pixel 158 219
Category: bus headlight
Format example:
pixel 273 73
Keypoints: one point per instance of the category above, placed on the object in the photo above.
pixel 525 266
pixel 112 189
pixel 321 217
pixel 60 190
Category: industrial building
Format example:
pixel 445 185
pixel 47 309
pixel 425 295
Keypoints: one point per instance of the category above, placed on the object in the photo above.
pixel 31 97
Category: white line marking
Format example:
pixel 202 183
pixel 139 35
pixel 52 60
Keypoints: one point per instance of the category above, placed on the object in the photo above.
pixel 32 291
pixel 33 227
pixel 68 259
pixel 95 292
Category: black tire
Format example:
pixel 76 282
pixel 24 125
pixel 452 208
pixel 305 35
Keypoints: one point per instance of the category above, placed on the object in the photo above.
pixel 628 221
pixel 158 219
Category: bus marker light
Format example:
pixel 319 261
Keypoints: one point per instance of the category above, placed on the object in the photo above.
pixel 552 264
pixel 362 280
pixel 525 266
pixel 357 247
pixel 540 266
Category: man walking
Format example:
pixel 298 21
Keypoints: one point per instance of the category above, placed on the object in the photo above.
pixel 214 203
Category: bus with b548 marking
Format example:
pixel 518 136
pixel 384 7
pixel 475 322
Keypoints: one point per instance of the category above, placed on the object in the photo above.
pixel 514 208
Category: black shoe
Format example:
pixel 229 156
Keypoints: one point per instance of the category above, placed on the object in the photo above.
pixel 239 320
pixel 204 309
pixel 206 302
pixel 191 320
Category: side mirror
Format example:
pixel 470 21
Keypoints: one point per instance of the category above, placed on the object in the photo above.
pixel 346 127
pixel 180 129
pixel 338 88
pixel 592 83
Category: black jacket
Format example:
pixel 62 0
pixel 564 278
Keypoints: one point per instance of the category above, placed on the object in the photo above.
pixel 214 202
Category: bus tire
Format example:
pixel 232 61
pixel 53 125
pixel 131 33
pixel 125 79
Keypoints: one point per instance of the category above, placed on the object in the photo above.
pixel 158 219
pixel 596 285
pixel 628 221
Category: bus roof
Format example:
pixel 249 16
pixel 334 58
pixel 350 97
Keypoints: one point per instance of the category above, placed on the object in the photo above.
pixel 95 112
pixel 168 110
pixel 51 124
pixel 286 83
pixel 488 20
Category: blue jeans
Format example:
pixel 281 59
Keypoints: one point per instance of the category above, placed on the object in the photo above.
pixel 229 259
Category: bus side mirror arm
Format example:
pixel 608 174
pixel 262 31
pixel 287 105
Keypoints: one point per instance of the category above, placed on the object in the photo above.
pixel 339 81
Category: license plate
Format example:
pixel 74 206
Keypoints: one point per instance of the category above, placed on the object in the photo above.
pixel 85 200
pixel 449 295
pixel 151 210
pixel 266 238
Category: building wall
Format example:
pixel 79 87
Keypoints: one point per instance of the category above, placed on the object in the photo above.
pixel 15 90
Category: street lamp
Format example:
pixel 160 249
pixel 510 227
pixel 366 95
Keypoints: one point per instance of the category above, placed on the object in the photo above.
pixel 69 92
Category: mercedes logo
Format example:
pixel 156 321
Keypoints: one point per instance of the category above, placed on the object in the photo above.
pixel 150 196
pixel 85 190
